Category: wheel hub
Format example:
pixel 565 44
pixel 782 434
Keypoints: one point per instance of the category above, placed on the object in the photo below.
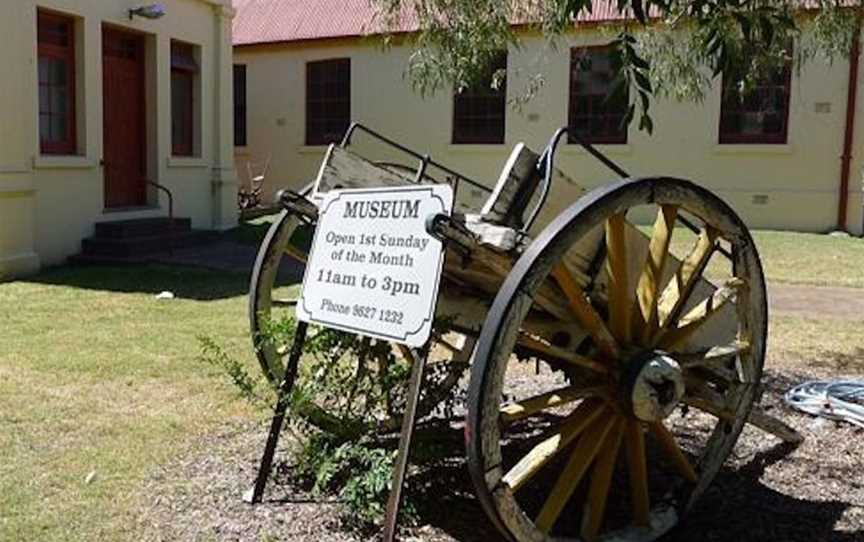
pixel 656 386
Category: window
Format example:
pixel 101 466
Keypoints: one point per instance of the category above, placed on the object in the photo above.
pixel 759 116
pixel 56 45
pixel 184 72
pixel 328 100
pixel 240 105
pixel 598 97
pixel 479 111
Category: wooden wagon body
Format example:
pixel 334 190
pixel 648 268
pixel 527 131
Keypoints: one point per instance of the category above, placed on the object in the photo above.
pixel 547 270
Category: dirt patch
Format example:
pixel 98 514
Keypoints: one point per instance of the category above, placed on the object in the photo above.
pixel 820 301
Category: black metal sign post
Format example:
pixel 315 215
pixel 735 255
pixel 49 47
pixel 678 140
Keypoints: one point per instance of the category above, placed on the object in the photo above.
pixel 256 493
pixel 418 358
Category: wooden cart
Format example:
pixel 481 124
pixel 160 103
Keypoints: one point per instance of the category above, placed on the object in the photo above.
pixel 646 350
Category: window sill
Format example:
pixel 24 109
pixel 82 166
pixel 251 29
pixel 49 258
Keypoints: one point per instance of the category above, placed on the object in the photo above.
pixel 753 148
pixel 44 161
pixel 482 148
pixel 613 149
pixel 187 162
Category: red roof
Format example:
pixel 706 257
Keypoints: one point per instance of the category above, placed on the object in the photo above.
pixel 271 21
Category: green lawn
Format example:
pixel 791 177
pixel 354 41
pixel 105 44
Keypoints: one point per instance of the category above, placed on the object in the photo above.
pixel 794 258
pixel 96 375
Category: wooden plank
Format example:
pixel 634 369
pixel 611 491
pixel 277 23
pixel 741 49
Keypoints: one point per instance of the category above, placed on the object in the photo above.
pixel 670 447
pixel 601 479
pixel 689 273
pixel 546 450
pixel 519 410
pixel 556 353
pixel 637 473
pixel 616 264
pixel 700 315
pixel 585 312
pixel 342 168
pixel 580 460
pixel 648 286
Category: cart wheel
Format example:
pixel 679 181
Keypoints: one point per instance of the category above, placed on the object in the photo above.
pixel 621 444
pixel 274 289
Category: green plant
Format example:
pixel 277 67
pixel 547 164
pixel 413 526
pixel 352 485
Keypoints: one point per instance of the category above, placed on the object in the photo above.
pixel 346 386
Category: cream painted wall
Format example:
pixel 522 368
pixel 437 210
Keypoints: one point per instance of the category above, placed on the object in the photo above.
pixel 49 203
pixel 800 178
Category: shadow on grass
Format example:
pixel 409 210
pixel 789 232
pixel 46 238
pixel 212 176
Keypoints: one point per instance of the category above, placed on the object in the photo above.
pixel 249 233
pixel 185 282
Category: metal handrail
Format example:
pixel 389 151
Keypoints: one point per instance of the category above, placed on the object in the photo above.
pixel 425 159
pixel 167 192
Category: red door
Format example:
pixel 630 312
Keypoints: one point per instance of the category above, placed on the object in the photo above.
pixel 123 123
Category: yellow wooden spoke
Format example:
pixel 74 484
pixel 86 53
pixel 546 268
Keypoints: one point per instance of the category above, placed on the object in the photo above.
pixel 580 460
pixel 700 315
pixel 648 287
pixel 715 356
pixel 543 452
pixel 670 447
pixel 525 408
pixel 554 352
pixel 687 277
pixel 619 290
pixel 601 479
pixel 637 472
pixel 707 400
pixel 585 312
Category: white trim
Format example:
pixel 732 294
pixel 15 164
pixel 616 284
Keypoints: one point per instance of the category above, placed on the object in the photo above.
pixel 755 148
pixel 45 161
pixel 187 162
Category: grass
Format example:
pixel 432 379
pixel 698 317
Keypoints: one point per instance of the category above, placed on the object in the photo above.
pixel 795 258
pixel 98 376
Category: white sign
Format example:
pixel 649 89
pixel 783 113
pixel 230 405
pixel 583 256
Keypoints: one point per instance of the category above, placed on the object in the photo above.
pixel 373 269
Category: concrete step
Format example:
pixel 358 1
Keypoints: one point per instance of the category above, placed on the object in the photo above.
pixel 141 227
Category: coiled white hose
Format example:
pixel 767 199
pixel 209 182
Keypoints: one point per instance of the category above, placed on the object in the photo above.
pixel 833 399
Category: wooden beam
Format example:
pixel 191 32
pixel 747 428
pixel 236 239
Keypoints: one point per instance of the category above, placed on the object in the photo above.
pixel 616 265
pixel 560 354
pixel 714 356
pixel 678 290
pixel 700 315
pixel 670 447
pixel 648 288
pixel 580 460
pixel 709 401
pixel 525 408
pixel 543 452
pixel 601 480
pixel 586 313
pixel 638 473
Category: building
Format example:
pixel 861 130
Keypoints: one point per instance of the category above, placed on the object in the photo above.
pixel 98 106
pixel 303 69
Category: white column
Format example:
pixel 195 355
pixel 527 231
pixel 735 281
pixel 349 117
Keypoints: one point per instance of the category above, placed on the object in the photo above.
pixel 18 137
pixel 224 179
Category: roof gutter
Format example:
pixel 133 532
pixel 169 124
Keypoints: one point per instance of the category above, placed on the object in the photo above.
pixel 849 135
